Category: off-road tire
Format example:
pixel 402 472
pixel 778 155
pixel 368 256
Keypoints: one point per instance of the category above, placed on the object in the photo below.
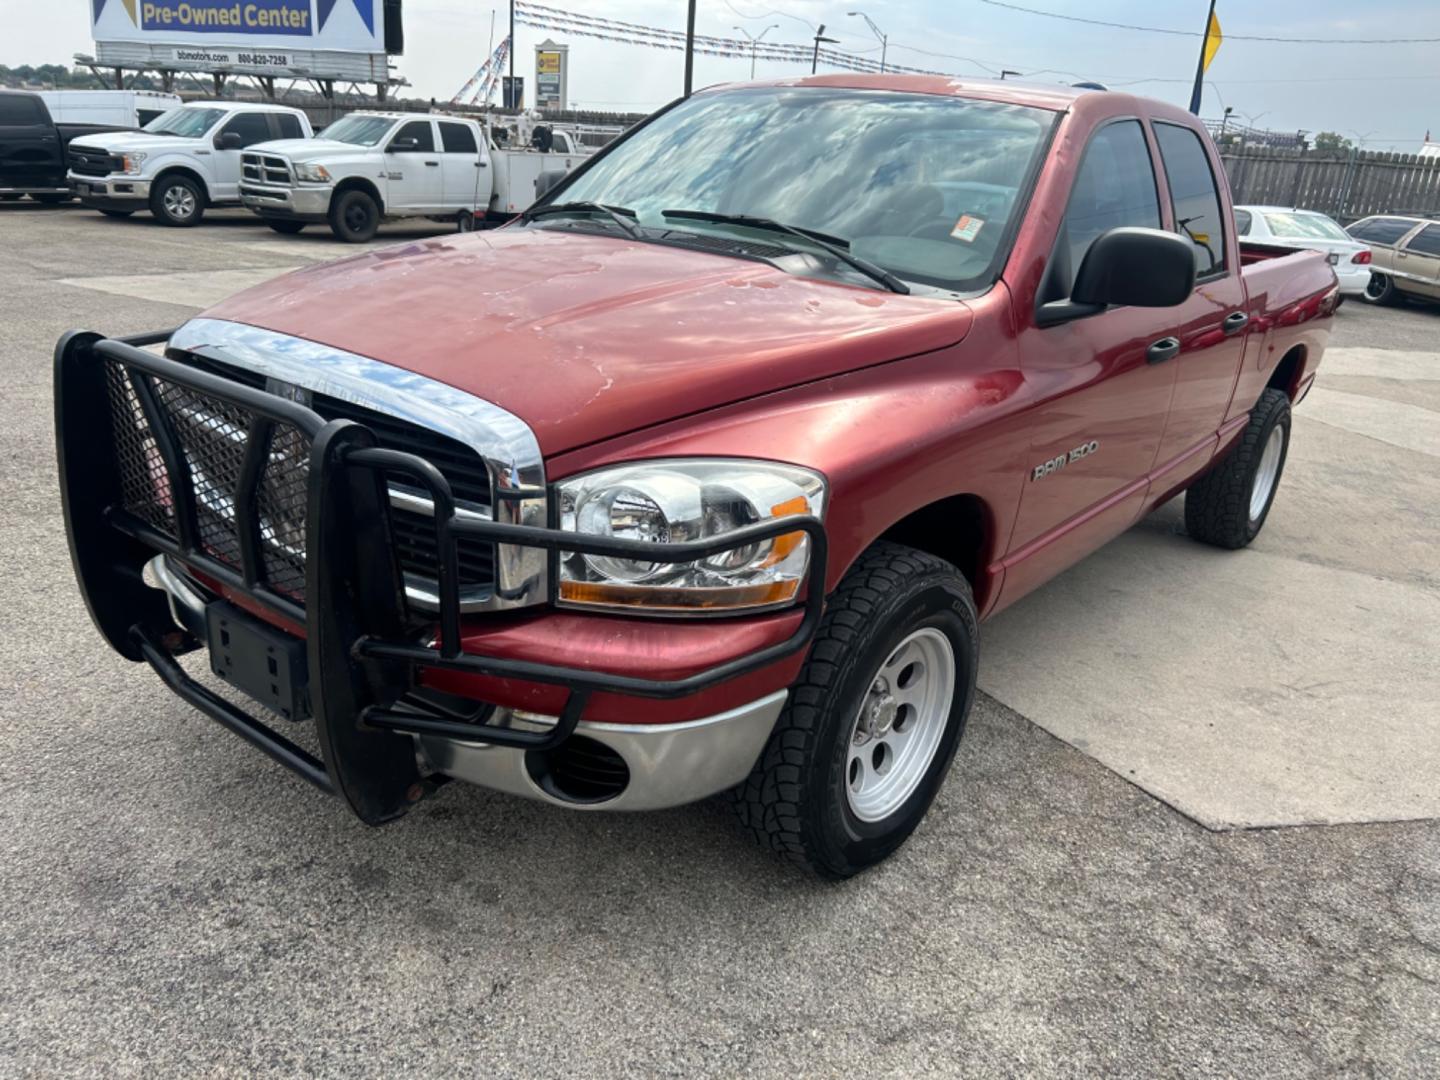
pixel 167 198
pixel 1380 290
pixel 1217 505
pixel 287 228
pixel 794 801
pixel 354 216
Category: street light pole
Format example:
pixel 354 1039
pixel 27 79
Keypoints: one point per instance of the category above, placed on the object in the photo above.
pixel 884 41
pixel 819 37
pixel 690 49
pixel 755 40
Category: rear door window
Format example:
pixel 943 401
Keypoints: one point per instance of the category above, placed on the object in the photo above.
pixel 457 139
pixel 1194 195
pixel 20 109
pixel 1380 230
pixel 251 127
pixel 1115 186
pixel 1426 241
pixel 419 130
pixel 288 125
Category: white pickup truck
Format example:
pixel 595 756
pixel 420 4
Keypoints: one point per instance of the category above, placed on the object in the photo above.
pixel 181 162
pixel 371 166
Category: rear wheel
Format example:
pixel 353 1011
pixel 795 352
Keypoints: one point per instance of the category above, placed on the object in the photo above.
pixel 1380 290
pixel 177 201
pixel 354 216
pixel 116 213
pixel 465 222
pixel 288 228
pixel 874 719
pixel 1227 506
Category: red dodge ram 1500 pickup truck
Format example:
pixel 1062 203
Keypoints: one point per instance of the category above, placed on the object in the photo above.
pixel 701 475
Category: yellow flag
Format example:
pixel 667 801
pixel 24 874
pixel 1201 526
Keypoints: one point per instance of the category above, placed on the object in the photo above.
pixel 1212 40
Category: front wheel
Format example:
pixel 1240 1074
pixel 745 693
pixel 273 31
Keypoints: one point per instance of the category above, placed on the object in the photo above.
pixel 354 216
pixel 872 724
pixel 1228 505
pixel 1380 289
pixel 286 228
pixel 177 201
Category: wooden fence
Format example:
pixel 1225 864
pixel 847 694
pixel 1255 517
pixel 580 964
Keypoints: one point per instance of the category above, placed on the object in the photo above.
pixel 1344 184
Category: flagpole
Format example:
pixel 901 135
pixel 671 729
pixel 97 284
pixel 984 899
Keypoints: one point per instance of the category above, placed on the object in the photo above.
pixel 1200 64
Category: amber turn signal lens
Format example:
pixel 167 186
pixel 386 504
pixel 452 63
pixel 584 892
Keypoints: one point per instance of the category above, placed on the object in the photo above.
pixel 723 598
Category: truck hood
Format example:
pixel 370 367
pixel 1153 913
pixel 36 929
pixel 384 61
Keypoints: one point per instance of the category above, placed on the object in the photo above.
pixel 120 142
pixel 307 149
pixel 587 337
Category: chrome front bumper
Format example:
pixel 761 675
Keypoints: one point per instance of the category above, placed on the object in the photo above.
pixel 109 187
pixel 274 201
pixel 669 764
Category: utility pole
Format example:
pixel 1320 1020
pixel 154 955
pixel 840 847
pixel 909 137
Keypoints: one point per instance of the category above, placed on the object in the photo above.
pixel 884 41
pixel 755 42
pixel 819 37
pixel 690 49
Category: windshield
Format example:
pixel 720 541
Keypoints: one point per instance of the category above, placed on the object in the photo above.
pixel 359 130
pixel 922 185
pixel 1305 227
pixel 187 121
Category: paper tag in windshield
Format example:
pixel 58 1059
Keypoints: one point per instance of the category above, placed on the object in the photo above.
pixel 967 228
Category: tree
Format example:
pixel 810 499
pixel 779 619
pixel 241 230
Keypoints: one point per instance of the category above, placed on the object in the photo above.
pixel 1330 140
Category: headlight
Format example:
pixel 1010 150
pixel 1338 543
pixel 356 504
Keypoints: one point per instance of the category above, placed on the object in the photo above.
pixel 130 163
pixel 314 174
pixel 688 499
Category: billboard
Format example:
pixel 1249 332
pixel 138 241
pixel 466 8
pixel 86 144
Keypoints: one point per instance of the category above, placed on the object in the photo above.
pixel 319 37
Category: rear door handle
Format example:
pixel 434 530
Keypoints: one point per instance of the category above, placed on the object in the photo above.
pixel 1235 322
pixel 1167 348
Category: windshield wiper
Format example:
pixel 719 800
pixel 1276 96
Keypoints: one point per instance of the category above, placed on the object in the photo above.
pixel 617 214
pixel 825 242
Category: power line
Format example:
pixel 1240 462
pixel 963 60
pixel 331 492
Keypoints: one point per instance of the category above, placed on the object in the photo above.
pixel 1196 33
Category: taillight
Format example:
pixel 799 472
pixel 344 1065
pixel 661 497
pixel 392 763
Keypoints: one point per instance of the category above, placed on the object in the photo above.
pixel 1361 257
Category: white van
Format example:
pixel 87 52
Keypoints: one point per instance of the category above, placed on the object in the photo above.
pixel 118 108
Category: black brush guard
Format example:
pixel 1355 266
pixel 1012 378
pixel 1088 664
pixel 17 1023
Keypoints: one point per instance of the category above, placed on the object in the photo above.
pixel 363 646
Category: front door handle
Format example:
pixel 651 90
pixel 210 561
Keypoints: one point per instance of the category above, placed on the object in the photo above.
pixel 1235 322
pixel 433 164
pixel 1167 348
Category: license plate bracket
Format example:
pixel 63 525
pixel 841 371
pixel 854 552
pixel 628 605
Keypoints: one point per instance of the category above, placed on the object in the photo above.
pixel 262 662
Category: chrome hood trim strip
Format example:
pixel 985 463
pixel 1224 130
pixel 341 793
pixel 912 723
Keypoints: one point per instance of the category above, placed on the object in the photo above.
pixel 504 441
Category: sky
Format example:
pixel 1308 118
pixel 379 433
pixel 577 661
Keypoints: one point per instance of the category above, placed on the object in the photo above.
pixel 1384 96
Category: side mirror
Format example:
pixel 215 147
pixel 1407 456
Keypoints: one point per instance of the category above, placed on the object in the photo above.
pixel 1136 267
pixel 546 181
pixel 398 146
pixel 230 140
pixel 1129 266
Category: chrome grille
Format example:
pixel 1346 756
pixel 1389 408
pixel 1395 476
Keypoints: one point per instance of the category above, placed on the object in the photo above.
pixel 412 529
pixel 264 169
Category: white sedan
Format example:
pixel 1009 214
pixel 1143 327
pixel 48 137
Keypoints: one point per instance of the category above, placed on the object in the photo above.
pixel 1309 230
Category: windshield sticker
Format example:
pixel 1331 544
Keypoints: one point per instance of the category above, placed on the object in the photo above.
pixel 967 228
